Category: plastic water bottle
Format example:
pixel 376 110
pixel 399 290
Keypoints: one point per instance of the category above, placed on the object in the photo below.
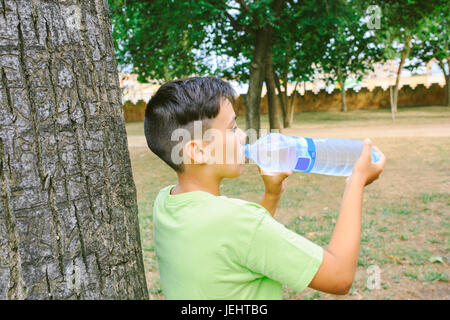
pixel 276 152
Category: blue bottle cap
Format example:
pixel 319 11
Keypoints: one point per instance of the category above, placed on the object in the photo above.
pixel 375 156
pixel 247 151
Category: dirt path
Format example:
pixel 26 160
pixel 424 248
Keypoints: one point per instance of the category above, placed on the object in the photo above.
pixel 376 131
pixel 355 132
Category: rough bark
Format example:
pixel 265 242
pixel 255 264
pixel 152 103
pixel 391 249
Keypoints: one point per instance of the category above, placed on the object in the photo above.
pixel 274 118
pixel 68 211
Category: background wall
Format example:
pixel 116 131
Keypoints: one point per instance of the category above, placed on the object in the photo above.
pixel 322 101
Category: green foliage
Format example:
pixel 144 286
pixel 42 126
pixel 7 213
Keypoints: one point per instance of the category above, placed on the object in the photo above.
pixel 157 38
pixel 162 39
pixel 402 21
pixel 433 39
pixel 352 50
pixel 300 40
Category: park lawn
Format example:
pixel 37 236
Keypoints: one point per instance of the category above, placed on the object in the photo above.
pixel 410 115
pixel 406 216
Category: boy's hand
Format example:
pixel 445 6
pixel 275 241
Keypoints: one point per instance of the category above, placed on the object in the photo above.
pixel 275 182
pixel 364 168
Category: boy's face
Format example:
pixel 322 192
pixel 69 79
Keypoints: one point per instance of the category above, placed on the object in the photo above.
pixel 229 159
pixel 222 145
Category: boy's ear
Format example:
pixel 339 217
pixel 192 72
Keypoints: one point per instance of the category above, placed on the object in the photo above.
pixel 195 152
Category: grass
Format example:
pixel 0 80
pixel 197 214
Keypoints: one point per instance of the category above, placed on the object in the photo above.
pixel 432 276
pixel 411 274
pixel 404 115
pixel 409 115
pixel 430 197
pixel 406 216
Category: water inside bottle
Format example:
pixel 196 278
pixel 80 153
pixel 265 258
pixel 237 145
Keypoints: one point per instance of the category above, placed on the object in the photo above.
pixel 277 155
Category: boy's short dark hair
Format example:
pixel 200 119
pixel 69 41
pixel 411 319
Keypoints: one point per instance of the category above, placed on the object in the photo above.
pixel 177 104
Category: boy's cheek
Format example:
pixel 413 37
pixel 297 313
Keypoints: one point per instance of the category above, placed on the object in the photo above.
pixel 228 151
pixel 235 154
pixel 233 171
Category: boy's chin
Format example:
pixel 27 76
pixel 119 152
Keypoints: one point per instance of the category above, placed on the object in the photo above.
pixel 233 171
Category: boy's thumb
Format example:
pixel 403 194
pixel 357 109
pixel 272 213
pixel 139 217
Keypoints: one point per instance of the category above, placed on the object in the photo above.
pixel 367 147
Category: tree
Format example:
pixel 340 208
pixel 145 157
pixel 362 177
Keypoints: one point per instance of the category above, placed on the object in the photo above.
pixel 151 33
pixel 262 44
pixel 433 43
pixel 249 43
pixel 68 213
pixel 156 39
pixel 274 118
pixel 351 51
pixel 299 42
pixel 400 22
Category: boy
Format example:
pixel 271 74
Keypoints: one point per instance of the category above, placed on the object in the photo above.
pixel 210 246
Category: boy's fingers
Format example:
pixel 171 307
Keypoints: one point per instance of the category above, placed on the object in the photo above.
pixel 288 173
pixel 381 155
pixel 284 174
pixel 366 150
pixel 264 173
pixel 367 147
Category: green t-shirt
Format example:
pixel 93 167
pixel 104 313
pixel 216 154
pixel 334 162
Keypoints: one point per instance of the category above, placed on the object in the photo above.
pixel 215 247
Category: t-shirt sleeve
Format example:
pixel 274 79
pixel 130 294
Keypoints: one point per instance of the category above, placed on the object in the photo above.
pixel 283 255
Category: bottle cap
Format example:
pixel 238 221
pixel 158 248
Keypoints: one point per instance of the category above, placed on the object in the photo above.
pixel 247 151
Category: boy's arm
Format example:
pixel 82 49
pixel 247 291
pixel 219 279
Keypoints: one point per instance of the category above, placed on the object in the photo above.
pixel 338 267
pixel 275 185
pixel 270 202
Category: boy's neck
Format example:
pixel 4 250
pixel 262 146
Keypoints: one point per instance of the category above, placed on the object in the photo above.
pixel 199 182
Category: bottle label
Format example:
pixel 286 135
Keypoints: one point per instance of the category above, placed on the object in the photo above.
pixel 312 153
pixel 306 159
pixel 302 163
pixel 306 162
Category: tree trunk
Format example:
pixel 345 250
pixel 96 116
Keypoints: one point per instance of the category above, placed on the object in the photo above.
pixel 257 74
pixel 68 212
pixel 447 80
pixel 290 113
pixel 391 97
pixel 285 97
pixel 341 80
pixel 447 94
pixel 344 102
pixel 274 118
pixel 263 43
pixel 405 54
pixel 281 98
